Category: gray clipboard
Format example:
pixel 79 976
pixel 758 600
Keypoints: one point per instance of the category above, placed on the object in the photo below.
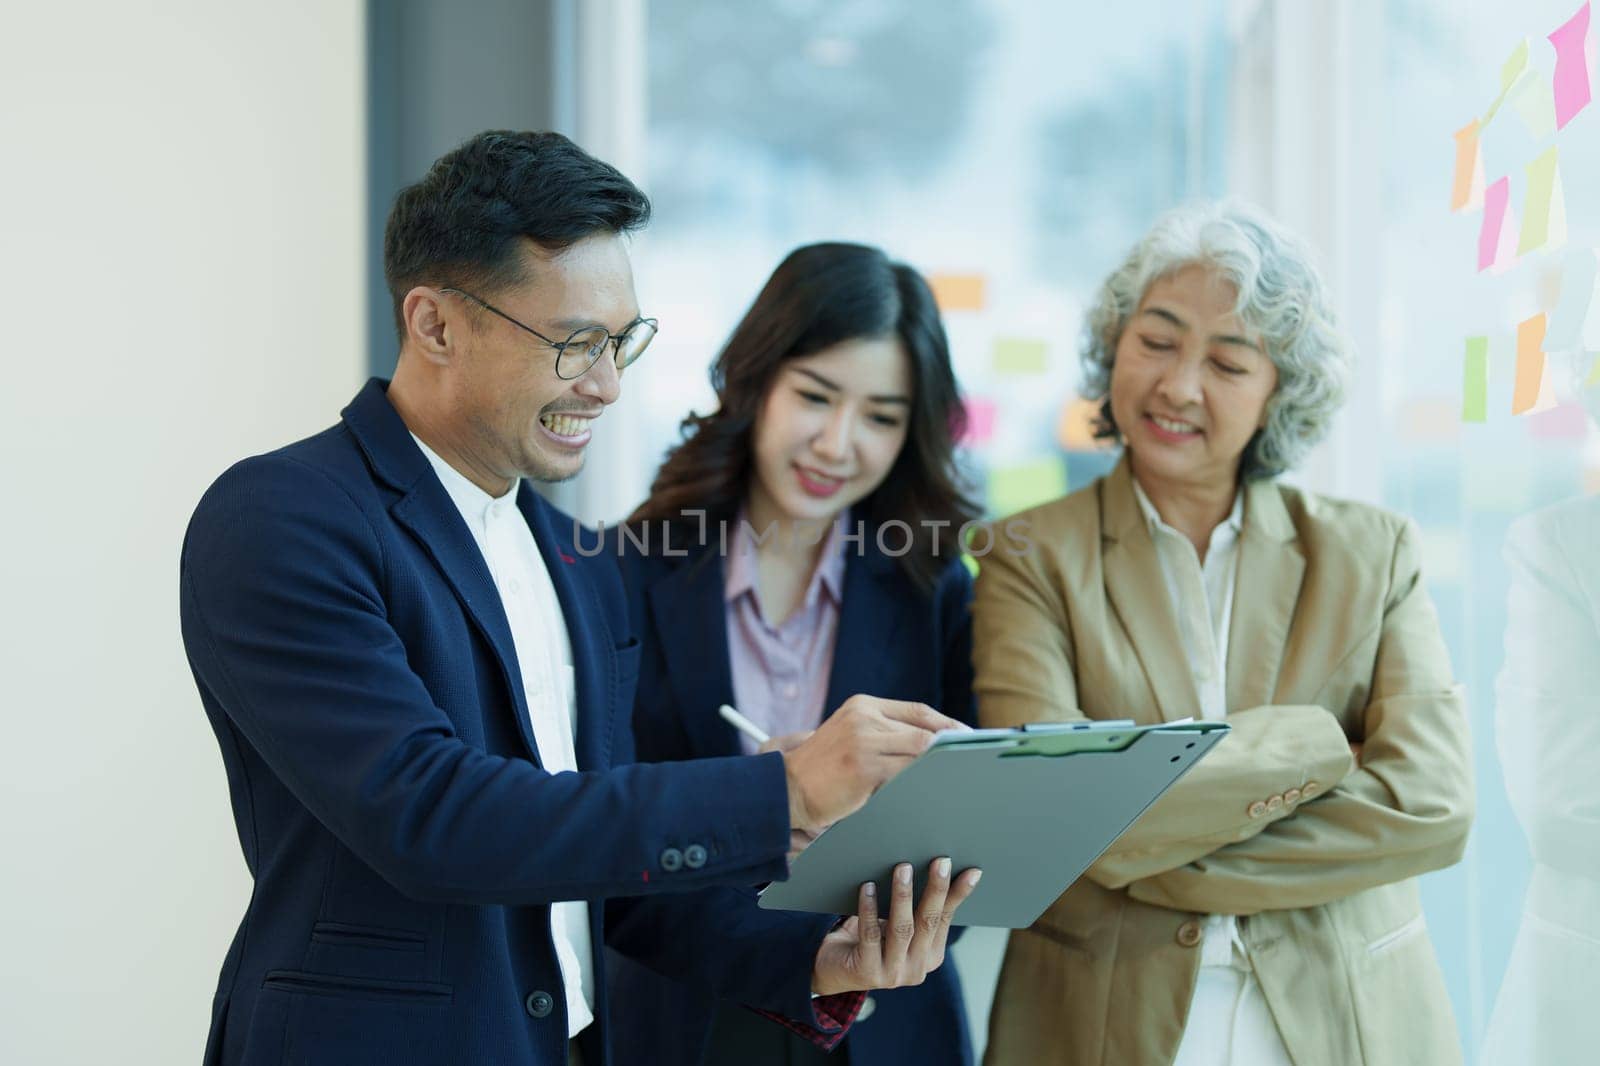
pixel 1032 807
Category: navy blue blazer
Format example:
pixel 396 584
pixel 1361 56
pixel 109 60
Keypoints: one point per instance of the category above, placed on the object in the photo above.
pixel 895 641
pixel 358 670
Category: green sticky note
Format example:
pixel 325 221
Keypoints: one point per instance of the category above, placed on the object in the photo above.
pixel 1016 488
pixel 1018 355
pixel 1475 381
pixel 1543 212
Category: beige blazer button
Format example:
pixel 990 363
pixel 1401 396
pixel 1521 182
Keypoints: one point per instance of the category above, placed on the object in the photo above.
pixel 1275 803
pixel 1292 796
pixel 1311 788
pixel 1257 809
pixel 1189 933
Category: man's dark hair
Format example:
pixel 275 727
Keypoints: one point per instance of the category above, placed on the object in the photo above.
pixel 460 225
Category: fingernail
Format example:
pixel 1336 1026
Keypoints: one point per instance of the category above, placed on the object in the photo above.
pixel 902 873
pixel 870 888
pixel 944 867
pixel 977 875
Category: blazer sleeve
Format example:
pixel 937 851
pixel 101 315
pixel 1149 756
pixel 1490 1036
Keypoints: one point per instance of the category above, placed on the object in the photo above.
pixel 1024 658
pixel 1405 810
pixel 286 625
pixel 720 939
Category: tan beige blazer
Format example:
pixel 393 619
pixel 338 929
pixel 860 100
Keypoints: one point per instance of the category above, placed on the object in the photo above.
pixel 1333 640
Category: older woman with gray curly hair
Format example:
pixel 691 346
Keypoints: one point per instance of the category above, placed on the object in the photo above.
pixel 1265 909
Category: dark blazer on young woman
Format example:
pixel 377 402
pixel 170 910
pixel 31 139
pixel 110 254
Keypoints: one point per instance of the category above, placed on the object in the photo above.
pixel 894 641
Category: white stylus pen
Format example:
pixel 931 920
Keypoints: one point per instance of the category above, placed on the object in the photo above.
pixel 743 724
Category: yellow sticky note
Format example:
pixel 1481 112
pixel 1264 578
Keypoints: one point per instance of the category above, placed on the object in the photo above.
pixel 1468 188
pixel 1530 364
pixel 1016 488
pixel 1535 102
pixel 1510 71
pixel 1594 372
pixel 1020 355
pixel 958 292
pixel 1544 208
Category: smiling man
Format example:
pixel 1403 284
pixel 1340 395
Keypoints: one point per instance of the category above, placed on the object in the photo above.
pixel 422 691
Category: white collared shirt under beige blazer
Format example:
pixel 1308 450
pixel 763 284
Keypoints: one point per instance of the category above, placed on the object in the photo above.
pixel 1333 639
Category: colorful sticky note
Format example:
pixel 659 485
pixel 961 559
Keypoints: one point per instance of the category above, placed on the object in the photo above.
pixel 1544 210
pixel 980 421
pixel 1535 104
pixel 1563 421
pixel 1467 192
pixel 1594 371
pixel 1578 276
pixel 1019 355
pixel 1530 364
pixel 1076 425
pixel 1495 199
pixel 1548 400
pixel 1475 381
pixel 1016 488
pixel 1510 71
pixel 1571 82
pixel 958 292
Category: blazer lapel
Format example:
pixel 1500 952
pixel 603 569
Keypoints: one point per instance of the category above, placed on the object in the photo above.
pixel 690 619
pixel 1266 590
pixel 869 620
pixel 426 510
pixel 1138 594
pixel 592 667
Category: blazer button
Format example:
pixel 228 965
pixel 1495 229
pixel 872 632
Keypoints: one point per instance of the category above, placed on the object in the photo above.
pixel 1292 796
pixel 1309 789
pixel 672 860
pixel 694 856
pixel 1189 934
pixel 539 1004
pixel 1275 804
pixel 868 1005
pixel 1257 809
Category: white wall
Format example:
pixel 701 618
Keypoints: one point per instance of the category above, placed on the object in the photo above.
pixel 181 222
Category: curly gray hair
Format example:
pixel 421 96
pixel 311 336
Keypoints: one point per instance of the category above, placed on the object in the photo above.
pixel 1281 297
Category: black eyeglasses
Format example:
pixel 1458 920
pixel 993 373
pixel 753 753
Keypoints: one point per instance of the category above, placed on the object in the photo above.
pixel 579 352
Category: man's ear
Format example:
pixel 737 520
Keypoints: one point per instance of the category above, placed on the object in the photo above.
pixel 433 326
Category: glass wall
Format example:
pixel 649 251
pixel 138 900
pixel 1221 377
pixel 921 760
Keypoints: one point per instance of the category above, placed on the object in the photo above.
pixel 1013 151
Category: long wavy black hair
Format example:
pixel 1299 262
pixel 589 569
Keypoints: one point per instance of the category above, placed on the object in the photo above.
pixel 822 295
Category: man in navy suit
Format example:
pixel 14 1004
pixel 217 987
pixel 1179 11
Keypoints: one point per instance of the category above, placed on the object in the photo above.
pixel 422 691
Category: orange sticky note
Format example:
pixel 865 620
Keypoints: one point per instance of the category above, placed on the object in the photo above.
pixel 1468 190
pixel 958 292
pixel 1530 364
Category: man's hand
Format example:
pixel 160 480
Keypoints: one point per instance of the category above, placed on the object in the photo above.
pixel 867 952
pixel 859 747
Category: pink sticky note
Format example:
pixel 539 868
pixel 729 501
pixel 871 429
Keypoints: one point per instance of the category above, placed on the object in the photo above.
pixel 1495 198
pixel 1572 66
pixel 980 421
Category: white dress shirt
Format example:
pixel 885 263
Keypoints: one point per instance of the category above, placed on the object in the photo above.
pixel 1229 1024
pixel 544 657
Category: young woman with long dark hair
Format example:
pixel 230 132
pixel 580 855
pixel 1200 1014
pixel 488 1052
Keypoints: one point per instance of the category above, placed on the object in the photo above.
pixel 800 545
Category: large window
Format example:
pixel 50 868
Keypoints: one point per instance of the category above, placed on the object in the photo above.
pixel 1013 150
